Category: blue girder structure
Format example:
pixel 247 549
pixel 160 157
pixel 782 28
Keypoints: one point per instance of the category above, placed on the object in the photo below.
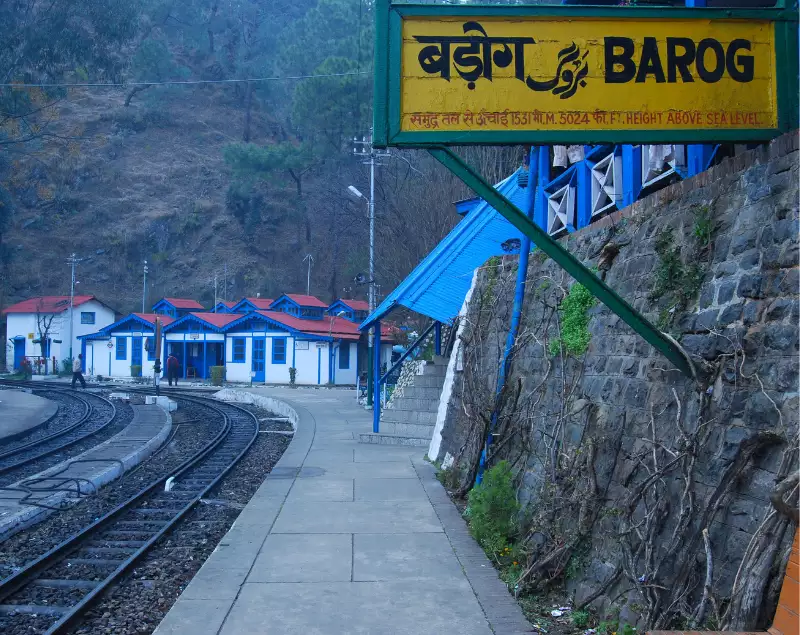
pixel 608 178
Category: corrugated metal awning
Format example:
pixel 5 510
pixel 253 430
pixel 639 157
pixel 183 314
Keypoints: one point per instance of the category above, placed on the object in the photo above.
pixel 438 285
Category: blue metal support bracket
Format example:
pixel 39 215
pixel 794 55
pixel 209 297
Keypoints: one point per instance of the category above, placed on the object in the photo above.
pixel 661 342
pixel 410 350
pixel 376 374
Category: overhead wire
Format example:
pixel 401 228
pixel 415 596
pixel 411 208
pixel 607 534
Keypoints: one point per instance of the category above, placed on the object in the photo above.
pixel 175 82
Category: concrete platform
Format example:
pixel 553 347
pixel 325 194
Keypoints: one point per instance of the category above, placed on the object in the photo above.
pixel 100 465
pixel 21 412
pixel 345 538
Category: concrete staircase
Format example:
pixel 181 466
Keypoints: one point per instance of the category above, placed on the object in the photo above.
pixel 411 418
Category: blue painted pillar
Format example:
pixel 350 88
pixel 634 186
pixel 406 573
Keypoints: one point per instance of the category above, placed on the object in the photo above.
pixel 437 338
pixel 519 300
pixel 631 174
pixel 541 169
pixel 376 378
pixel 698 155
pixel 584 202
pixel 185 361
pixel 205 363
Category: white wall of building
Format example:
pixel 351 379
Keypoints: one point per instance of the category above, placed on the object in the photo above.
pixel 25 325
pixel 348 375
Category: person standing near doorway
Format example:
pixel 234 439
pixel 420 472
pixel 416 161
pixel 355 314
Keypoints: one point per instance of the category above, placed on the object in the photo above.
pixel 173 366
pixel 77 371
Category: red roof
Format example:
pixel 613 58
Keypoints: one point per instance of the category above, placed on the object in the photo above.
pixel 48 304
pixel 328 326
pixel 219 320
pixel 260 303
pixel 151 318
pixel 306 300
pixel 183 303
pixel 356 305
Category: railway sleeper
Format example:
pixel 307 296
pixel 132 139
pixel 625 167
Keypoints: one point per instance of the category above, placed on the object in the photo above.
pixel 146 511
pixel 141 525
pixel 109 550
pixel 33 609
pixel 65 584
pixel 95 562
pixel 135 544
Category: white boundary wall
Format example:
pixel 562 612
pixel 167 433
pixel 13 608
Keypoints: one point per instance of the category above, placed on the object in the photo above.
pixel 449 379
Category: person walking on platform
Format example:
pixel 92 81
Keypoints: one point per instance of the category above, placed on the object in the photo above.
pixel 173 365
pixel 77 369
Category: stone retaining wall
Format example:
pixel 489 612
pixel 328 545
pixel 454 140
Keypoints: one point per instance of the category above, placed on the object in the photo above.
pixel 731 300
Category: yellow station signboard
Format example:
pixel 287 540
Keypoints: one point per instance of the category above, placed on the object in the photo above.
pixel 464 76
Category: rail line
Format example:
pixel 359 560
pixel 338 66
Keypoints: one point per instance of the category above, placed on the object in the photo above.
pixel 93 418
pixel 64 583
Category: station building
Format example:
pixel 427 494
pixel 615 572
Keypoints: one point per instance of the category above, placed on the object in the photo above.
pixel 125 348
pixel 27 322
pixel 321 342
pixel 176 307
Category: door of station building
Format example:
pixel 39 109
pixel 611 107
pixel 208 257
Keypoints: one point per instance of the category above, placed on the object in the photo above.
pixel 136 355
pixel 259 358
pixel 19 352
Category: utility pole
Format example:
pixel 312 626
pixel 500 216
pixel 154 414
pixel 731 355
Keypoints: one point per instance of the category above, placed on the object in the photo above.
pixel 71 261
pixel 225 290
pixel 144 285
pixel 310 259
pixel 365 150
pixel 215 293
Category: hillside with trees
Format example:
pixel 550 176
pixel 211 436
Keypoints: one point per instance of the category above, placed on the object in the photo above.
pixel 223 147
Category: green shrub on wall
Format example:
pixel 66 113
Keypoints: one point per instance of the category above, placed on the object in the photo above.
pixel 136 371
pixel 217 375
pixel 493 509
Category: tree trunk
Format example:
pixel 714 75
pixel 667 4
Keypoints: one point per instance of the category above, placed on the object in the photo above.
pixel 335 255
pixel 136 90
pixel 210 31
pixel 248 102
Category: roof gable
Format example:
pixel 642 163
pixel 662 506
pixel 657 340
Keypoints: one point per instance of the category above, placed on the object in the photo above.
pixel 178 303
pixel 216 322
pixel 48 304
pixel 145 320
pixel 252 304
pixel 354 305
pixel 304 301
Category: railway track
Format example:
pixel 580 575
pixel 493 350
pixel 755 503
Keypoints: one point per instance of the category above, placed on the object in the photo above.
pixel 95 414
pixel 61 585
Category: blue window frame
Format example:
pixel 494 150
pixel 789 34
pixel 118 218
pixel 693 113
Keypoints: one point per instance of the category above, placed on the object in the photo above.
pixel 344 356
pixel 278 350
pixel 87 317
pixel 150 344
pixel 238 349
pixel 122 348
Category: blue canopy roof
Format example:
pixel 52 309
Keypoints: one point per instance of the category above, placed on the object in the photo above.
pixel 438 285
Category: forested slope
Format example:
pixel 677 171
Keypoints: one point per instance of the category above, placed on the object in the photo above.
pixel 242 169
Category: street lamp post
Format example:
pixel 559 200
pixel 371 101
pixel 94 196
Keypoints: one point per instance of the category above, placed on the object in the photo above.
pixel 71 261
pixel 365 150
pixel 144 285
pixel 371 299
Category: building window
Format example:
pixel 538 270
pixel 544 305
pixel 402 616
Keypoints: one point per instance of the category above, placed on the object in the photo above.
pixel 87 317
pixel 344 356
pixel 150 345
pixel 278 350
pixel 122 348
pixel 238 349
